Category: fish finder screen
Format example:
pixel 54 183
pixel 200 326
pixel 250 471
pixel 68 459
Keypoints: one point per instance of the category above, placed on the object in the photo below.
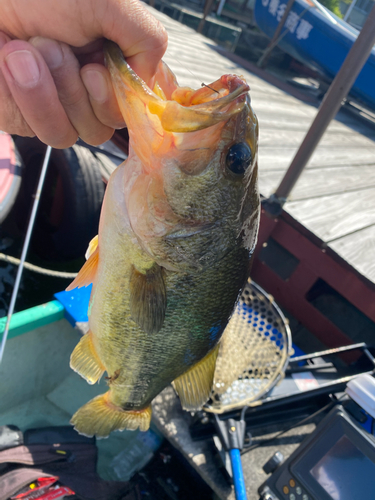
pixel 345 472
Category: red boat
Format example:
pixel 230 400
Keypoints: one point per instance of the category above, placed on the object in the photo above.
pixel 10 174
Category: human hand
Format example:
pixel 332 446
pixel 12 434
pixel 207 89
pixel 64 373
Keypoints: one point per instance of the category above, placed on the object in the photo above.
pixel 53 83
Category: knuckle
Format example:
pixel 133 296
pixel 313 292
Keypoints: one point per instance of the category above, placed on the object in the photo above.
pixel 163 39
pixel 97 137
pixel 157 41
pixel 111 121
pixel 61 141
pixel 109 114
pixel 72 97
pixel 4 38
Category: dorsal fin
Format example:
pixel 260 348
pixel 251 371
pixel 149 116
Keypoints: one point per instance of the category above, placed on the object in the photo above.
pixel 87 273
pixel 194 386
pixel 93 245
pixel 148 298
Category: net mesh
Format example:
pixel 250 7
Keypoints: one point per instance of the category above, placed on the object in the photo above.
pixel 254 352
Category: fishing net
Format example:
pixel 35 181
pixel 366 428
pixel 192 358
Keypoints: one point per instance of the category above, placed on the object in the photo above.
pixel 254 352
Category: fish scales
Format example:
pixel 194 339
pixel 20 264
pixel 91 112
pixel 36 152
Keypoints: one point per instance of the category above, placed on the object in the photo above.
pixel 186 314
pixel 177 230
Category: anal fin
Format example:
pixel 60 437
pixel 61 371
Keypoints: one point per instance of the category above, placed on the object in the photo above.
pixel 85 361
pixel 194 386
pixel 87 273
pixel 148 298
pixel 99 417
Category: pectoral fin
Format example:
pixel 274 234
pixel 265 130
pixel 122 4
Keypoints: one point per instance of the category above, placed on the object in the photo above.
pixel 85 361
pixel 87 273
pixel 195 385
pixel 148 298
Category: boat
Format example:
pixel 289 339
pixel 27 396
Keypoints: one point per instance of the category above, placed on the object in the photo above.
pixel 39 390
pixel 10 174
pixel 319 39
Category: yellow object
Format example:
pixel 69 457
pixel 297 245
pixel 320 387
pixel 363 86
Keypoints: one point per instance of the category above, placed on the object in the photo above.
pixel 85 361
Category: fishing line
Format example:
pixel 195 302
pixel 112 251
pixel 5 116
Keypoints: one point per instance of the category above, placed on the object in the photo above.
pixel 195 77
pixel 25 249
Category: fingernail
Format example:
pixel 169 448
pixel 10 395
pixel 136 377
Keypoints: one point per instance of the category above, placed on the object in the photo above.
pixel 23 68
pixel 51 51
pixel 96 85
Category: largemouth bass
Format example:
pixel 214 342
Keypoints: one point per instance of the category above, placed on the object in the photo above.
pixel 177 229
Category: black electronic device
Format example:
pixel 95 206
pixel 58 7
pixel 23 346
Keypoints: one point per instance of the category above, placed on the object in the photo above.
pixel 336 462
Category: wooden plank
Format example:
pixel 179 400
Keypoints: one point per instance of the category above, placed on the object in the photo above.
pixel 274 118
pixel 359 249
pixel 269 137
pixel 333 217
pixel 367 129
pixel 275 159
pixel 268 88
pixel 332 181
pixel 269 183
pixel 275 112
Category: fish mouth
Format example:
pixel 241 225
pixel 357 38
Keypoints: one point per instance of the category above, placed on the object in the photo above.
pixel 177 109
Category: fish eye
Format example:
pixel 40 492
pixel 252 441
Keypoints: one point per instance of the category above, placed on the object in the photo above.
pixel 239 158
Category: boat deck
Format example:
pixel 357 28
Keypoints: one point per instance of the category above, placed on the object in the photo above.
pixel 335 196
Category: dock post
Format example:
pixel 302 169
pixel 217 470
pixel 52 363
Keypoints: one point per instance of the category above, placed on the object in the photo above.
pixel 206 11
pixel 264 57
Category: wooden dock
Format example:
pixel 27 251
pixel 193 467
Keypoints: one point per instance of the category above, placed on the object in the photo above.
pixel 335 196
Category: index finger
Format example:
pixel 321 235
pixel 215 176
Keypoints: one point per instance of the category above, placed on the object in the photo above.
pixel 143 41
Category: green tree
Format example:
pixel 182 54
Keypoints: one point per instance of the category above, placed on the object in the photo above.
pixel 333 6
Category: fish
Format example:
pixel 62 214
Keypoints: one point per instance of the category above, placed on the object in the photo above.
pixel 177 230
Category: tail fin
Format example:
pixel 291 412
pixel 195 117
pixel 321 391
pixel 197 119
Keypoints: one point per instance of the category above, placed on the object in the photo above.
pixel 99 417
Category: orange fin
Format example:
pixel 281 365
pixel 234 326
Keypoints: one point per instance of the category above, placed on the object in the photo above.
pixel 148 298
pixel 87 273
pixel 85 361
pixel 99 417
pixel 93 245
pixel 194 386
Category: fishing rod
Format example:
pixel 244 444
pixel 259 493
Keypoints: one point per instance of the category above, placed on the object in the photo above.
pixel 25 248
